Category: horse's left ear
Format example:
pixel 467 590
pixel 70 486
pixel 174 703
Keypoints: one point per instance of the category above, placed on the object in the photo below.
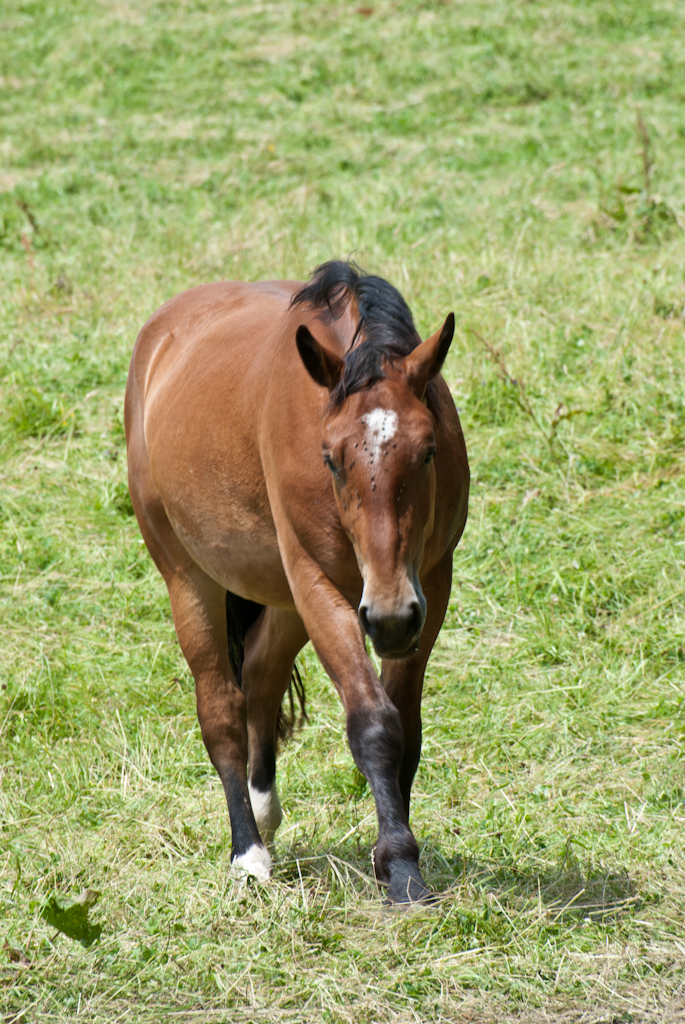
pixel 425 362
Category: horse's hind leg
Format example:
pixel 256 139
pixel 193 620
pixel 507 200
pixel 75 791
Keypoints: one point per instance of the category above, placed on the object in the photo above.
pixel 271 647
pixel 198 605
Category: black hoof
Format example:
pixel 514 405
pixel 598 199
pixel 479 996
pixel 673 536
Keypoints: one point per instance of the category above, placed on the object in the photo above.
pixel 407 886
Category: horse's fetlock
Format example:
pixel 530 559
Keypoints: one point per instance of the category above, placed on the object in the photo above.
pixel 399 847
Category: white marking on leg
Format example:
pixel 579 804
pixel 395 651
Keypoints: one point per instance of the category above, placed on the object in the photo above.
pixel 266 808
pixel 255 861
pixel 382 427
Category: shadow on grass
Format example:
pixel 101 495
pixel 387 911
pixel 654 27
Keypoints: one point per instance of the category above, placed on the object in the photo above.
pixel 598 892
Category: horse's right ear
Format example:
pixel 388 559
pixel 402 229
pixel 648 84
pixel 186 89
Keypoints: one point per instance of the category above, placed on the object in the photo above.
pixel 322 366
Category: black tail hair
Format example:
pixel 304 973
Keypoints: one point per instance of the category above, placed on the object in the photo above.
pixel 240 615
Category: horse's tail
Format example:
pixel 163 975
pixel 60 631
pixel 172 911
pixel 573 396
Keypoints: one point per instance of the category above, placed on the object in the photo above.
pixel 287 721
pixel 240 615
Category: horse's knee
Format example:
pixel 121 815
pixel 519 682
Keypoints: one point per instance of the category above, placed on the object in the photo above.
pixel 376 740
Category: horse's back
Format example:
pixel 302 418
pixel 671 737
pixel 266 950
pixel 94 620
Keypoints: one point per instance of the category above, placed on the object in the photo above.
pixel 217 314
pixel 214 336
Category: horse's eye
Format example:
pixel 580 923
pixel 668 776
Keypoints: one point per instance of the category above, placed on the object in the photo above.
pixel 429 457
pixel 328 461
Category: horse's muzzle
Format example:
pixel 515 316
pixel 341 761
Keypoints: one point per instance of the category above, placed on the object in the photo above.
pixel 396 635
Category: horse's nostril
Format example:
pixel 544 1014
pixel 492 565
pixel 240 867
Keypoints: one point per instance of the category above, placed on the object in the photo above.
pixel 392 633
pixel 416 620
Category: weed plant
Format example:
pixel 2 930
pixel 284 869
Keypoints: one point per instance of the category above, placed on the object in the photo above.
pixel 522 164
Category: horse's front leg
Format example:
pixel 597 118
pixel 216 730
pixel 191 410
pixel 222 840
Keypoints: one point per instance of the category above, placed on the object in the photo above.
pixel 403 679
pixel 374 726
pixel 376 739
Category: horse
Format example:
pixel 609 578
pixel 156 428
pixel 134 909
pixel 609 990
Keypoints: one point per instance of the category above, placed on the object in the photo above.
pixel 298 471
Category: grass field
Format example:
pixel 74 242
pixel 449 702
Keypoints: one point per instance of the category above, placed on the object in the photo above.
pixel 522 164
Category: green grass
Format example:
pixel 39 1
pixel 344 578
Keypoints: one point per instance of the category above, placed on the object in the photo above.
pixel 522 164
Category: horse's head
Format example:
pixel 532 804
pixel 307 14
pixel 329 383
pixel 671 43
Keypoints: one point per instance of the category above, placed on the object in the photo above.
pixel 379 443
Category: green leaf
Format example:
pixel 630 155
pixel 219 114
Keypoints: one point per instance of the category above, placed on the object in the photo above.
pixel 71 916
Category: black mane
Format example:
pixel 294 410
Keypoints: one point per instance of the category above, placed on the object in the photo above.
pixel 385 329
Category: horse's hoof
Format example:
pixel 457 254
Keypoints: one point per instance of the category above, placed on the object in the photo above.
pixel 254 863
pixel 407 887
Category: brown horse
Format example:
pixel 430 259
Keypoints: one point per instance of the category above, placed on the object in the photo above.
pixel 287 497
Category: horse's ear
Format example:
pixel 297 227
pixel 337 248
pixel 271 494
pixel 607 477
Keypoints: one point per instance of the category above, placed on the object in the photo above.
pixel 425 362
pixel 322 366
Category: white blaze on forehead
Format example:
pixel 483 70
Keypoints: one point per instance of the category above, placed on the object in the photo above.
pixel 381 425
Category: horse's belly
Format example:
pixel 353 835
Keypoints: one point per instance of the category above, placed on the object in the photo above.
pixel 242 557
